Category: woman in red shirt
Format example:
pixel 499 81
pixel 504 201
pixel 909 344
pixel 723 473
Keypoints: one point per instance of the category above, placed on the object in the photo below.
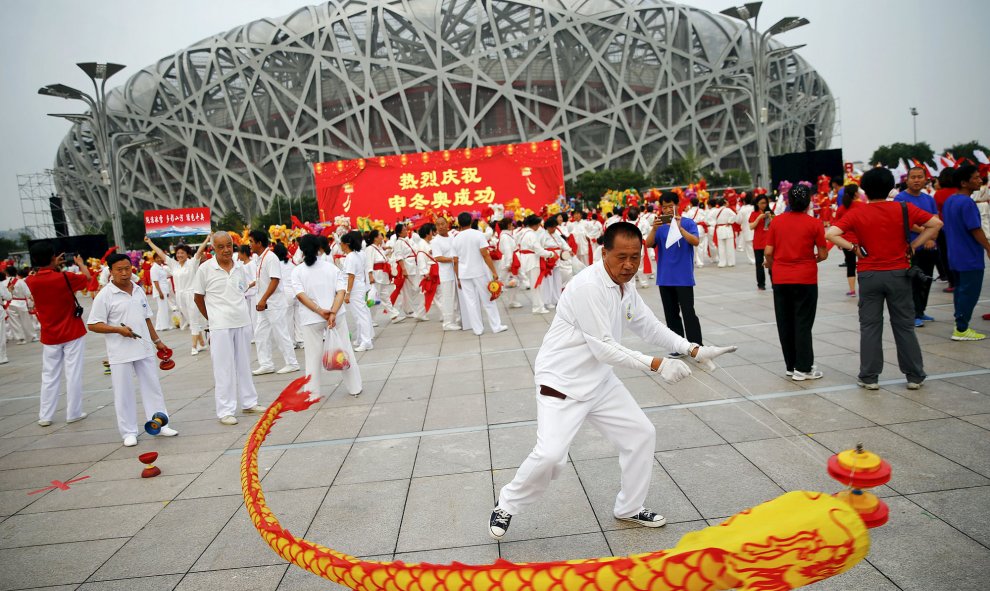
pixel 850 199
pixel 759 221
pixel 795 244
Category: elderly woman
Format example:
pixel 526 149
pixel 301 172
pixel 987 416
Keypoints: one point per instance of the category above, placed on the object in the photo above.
pixel 795 245
pixel 183 268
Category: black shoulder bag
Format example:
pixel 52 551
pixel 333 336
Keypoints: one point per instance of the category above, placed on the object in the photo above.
pixel 915 273
pixel 78 312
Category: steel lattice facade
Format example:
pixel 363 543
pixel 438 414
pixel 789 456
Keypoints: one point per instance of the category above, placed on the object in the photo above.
pixel 622 83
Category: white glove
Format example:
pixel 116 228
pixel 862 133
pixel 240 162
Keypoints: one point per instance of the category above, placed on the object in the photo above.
pixel 673 370
pixel 705 355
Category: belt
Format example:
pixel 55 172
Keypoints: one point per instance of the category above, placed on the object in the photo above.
pixel 548 391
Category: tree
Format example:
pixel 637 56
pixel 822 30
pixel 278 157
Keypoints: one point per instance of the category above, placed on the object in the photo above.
pixel 231 221
pixel 132 228
pixel 679 172
pixel 281 211
pixel 8 246
pixel 889 156
pixel 966 150
pixel 731 177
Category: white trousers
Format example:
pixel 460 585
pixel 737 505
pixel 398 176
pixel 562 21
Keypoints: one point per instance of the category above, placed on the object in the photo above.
pixel 55 359
pixel 313 342
pixel 412 297
pixel 617 416
pixel 474 297
pixel 364 332
pixel 21 324
pixel 3 336
pixel 124 400
pixel 747 246
pixel 252 311
pixel 230 350
pixel 726 251
pixel 163 317
pixel 385 294
pixel 448 303
pixel 535 293
pixel 187 305
pixel 274 321
pixel 701 251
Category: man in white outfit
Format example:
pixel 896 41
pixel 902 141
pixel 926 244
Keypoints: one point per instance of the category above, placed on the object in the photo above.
pixel 219 295
pixel 406 257
pixel 575 381
pixel 530 252
pixel 725 237
pixel 4 301
pixel 746 233
pixel 272 309
pixel 443 254
pixel 473 269
pixel 121 312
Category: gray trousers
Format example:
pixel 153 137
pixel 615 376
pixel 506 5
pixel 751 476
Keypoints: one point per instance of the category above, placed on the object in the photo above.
pixel 894 288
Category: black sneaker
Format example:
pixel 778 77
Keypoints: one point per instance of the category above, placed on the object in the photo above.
pixel 498 524
pixel 646 518
pixel 675 355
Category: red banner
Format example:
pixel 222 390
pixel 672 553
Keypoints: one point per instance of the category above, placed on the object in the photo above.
pixel 470 179
pixel 165 223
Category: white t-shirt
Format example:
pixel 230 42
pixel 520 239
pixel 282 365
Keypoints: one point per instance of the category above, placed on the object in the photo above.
pixel 159 273
pixel 269 268
pixel 285 285
pixel 184 275
pixel 443 246
pixel 224 293
pixel 320 282
pixel 116 307
pixel 467 249
pixel 354 264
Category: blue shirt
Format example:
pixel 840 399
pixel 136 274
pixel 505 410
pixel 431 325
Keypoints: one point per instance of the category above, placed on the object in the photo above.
pixel 961 216
pixel 675 265
pixel 922 201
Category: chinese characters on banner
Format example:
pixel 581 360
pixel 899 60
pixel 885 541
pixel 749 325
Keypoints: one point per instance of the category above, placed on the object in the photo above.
pixel 165 223
pixel 469 179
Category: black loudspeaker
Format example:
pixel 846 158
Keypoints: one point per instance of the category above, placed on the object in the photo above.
pixel 810 137
pixel 58 216
pixel 805 166
pixel 87 245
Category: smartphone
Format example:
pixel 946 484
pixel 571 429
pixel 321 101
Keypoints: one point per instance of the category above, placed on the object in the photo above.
pixel 69 257
pixel 665 218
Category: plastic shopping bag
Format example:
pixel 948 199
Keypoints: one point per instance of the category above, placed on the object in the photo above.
pixel 336 353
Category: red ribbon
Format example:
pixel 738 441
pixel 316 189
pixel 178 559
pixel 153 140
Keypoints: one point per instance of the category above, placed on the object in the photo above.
pixel 400 280
pixel 546 268
pixel 429 284
pixel 647 267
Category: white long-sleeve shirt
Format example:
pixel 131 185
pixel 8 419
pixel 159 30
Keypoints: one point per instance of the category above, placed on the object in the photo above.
pixel 583 342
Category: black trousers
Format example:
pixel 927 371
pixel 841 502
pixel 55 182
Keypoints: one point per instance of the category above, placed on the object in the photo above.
pixel 794 306
pixel 925 259
pixel 761 276
pixel 943 258
pixel 678 302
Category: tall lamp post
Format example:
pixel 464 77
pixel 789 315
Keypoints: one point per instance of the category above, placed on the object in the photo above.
pixel 914 119
pixel 759 44
pixel 98 107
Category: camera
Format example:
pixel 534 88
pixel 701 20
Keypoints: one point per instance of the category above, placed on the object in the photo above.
pixel 916 274
pixel 665 218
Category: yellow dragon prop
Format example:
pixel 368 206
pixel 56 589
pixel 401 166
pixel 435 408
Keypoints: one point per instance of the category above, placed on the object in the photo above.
pixel 794 540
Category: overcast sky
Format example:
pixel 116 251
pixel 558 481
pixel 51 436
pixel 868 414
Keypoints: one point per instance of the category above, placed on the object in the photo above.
pixel 880 57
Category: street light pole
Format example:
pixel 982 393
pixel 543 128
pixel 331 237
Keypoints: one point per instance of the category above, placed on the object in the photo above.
pixel 145 142
pixel 914 119
pixel 98 107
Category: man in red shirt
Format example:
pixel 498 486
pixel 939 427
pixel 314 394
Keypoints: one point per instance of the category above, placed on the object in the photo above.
pixel 882 268
pixel 62 331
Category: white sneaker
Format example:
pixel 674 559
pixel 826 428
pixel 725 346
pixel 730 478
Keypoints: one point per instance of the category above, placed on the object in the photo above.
pixel 515 305
pixel 228 420
pixel 194 352
pixel 423 318
pixel 541 311
pixel 130 441
pixel 44 423
pixel 800 376
pixel 77 419
pixel 398 319
pixel 288 369
pixel 202 347
pixel 256 409
pixel 375 324
pixel 362 349
pixel 168 432
pixel 262 371
pixel 452 327
pixel 499 329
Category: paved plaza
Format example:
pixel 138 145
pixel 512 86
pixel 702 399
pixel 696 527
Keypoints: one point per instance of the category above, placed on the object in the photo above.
pixel 410 469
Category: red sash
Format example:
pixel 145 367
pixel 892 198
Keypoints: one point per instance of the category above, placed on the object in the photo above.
pixel 383 266
pixel 546 266
pixel 400 280
pixel 516 263
pixel 647 267
pixel 430 283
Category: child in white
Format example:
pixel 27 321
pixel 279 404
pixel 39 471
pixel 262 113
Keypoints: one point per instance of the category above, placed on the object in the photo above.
pixel 121 312
pixel 355 271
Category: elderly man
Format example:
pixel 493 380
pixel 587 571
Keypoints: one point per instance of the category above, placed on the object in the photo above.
pixel 575 381
pixel 219 295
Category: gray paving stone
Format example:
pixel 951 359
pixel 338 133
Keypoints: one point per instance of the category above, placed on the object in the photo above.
pixel 12 501
pixel 511 445
pixel 462 501
pixel 76 525
pixel 154 552
pixel 955 439
pixel 794 463
pixel 168 463
pixel 422 369
pixel 500 380
pixel 39 477
pixel 298 579
pixel 919 552
pixel 305 467
pixel 915 469
pixel 742 421
pixel 638 540
pixel 360 519
pixel 182 444
pixel 89 493
pixel 814 414
pixel 53 564
pixel 456 411
pixel 949 398
pixel 982 420
pixel 161 583
pixel 395 417
pixel 862 576
pixel 485 554
pixel 591 545
pixel 238 545
pixel 390 459
pixel 882 406
pixel 262 578
pixel 509 406
pixel 459 383
pixel 698 473
pixel 965 509
pixel 335 423
pixel 223 477
pixel 601 481
pixel 544 518
pixel 452 454
pixel 56 456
